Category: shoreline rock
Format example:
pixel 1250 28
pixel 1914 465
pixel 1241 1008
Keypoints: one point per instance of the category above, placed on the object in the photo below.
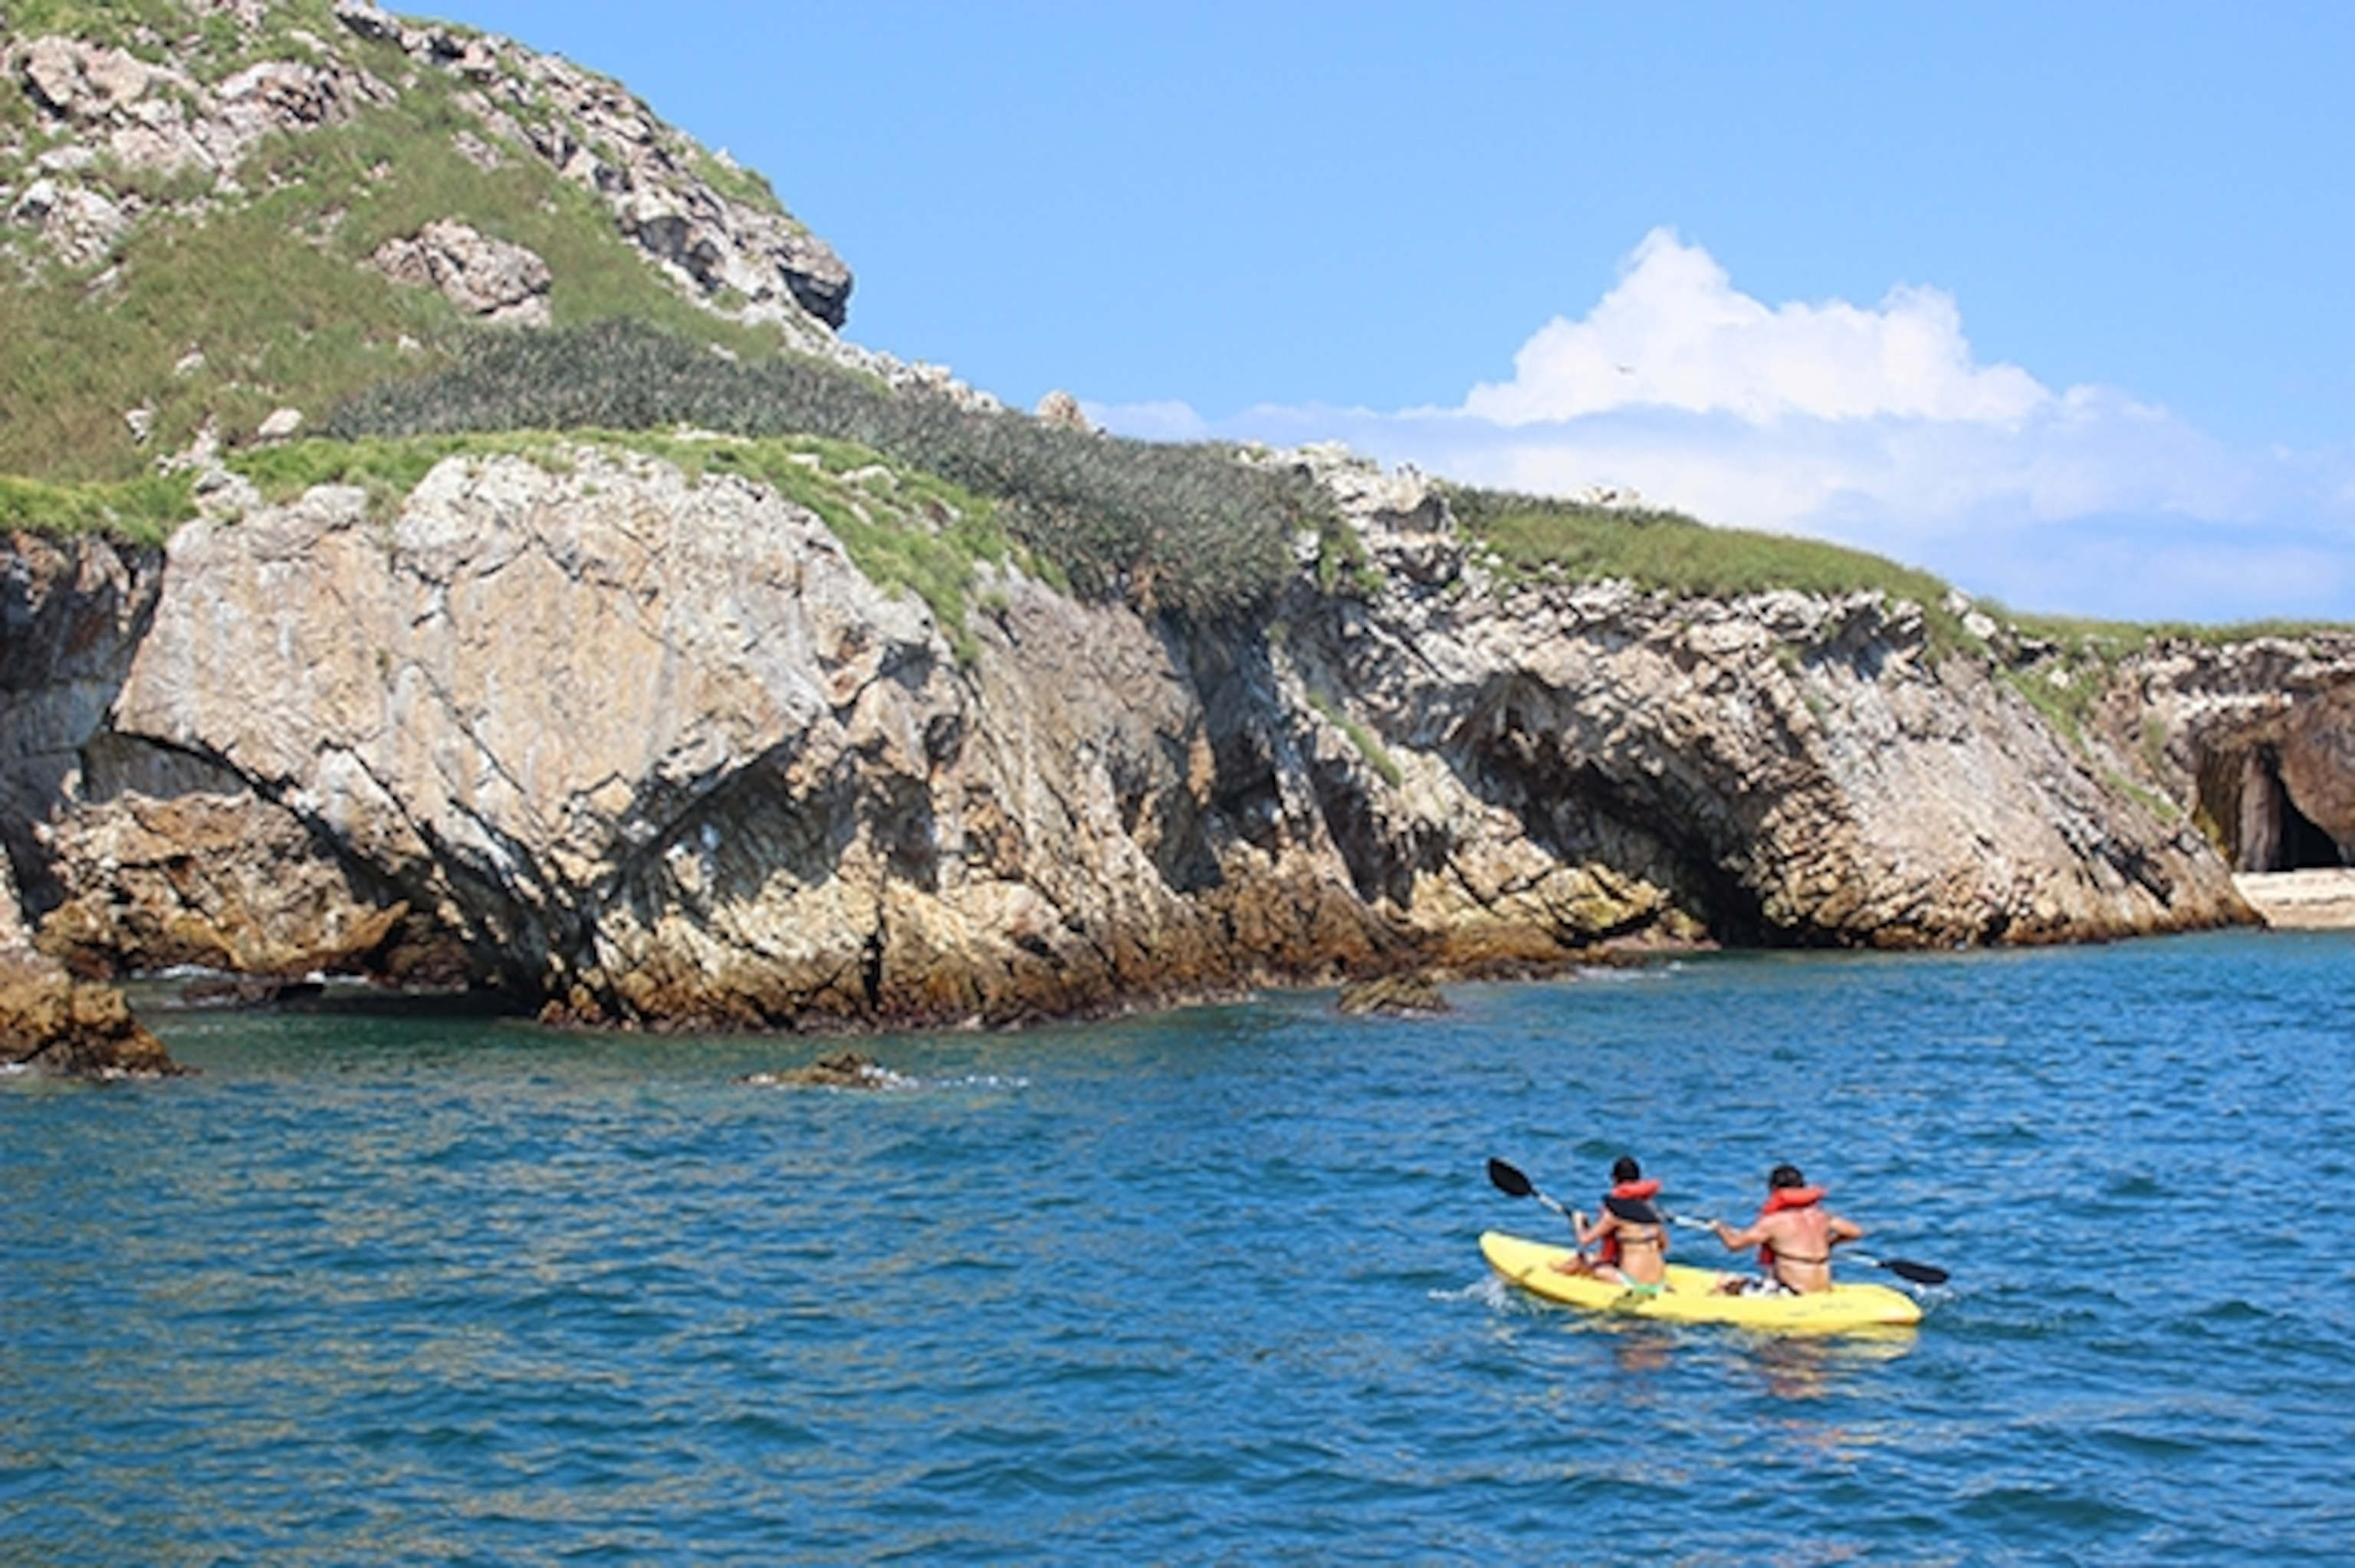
pixel 52 1023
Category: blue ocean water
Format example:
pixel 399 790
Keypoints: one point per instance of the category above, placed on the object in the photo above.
pixel 1201 1286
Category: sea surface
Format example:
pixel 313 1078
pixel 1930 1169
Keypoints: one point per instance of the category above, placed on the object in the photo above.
pixel 1202 1287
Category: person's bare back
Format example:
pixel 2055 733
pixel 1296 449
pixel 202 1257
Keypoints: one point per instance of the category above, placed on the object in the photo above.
pixel 1794 1234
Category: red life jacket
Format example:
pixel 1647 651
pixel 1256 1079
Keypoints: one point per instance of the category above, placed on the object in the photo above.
pixel 1780 1199
pixel 1647 1188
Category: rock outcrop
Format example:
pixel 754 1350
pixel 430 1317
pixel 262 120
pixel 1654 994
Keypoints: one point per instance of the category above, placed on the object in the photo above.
pixel 601 137
pixel 484 277
pixel 835 1070
pixel 1394 996
pixel 649 750
pixel 51 1022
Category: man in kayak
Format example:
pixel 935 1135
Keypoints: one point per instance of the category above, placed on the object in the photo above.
pixel 1794 1234
pixel 1629 1251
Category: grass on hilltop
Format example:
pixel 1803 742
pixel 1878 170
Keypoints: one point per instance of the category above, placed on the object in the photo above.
pixel 1553 539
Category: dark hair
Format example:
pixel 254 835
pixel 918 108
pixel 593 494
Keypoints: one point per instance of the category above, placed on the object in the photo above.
pixel 1625 1169
pixel 1783 1176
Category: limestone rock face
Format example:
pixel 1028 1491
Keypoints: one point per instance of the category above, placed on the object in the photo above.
pixel 70 619
pixel 650 750
pixel 1780 768
pixel 539 692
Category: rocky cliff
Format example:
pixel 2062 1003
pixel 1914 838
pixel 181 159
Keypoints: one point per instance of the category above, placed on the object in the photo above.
pixel 646 749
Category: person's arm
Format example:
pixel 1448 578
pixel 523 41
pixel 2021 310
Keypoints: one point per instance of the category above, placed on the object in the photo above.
pixel 1738 1240
pixel 1604 1222
pixel 1843 1229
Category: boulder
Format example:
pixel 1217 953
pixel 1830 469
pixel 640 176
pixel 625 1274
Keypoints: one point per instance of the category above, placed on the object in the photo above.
pixel 51 1022
pixel 485 277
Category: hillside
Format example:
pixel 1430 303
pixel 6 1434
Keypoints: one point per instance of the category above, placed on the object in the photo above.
pixel 215 212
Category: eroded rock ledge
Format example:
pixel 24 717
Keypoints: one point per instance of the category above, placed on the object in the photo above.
pixel 651 752
pixel 52 1022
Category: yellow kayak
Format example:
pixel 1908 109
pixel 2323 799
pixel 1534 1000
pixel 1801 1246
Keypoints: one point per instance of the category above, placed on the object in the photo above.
pixel 1691 1295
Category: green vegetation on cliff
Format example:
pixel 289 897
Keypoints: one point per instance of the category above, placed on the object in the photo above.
pixel 1555 539
pixel 1189 528
pixel 139 511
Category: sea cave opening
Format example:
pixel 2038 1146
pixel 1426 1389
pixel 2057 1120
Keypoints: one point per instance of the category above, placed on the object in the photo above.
pixel 2256 810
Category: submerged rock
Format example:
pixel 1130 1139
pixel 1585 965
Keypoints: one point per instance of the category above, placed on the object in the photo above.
pixel 839 1070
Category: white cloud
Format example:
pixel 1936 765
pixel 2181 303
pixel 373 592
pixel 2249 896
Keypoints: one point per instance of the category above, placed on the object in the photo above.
pixel 1873 427
pixel 1675 333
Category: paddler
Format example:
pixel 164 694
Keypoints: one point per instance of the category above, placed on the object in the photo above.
pixel 1794 1234
pixel 1630 1240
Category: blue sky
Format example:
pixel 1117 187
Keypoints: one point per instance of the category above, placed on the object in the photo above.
pixel 2054 300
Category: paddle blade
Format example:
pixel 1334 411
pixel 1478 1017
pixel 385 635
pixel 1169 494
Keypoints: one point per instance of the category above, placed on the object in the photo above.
pixel 1635 1211
pixel 1510 1182
pixel 1918 1273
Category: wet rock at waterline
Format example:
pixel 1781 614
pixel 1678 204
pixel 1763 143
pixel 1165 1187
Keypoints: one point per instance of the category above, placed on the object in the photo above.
pixel 1395 996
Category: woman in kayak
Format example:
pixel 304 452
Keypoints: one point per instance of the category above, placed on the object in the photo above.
pixel 1794 1234
pixel 1628 1250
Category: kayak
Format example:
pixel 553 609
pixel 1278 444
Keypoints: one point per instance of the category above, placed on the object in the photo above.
pixel 1691 1295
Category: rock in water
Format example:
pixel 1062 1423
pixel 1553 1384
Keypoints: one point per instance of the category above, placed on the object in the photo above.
pixel 1395 996
pixel 837 1070
pixel 51 1022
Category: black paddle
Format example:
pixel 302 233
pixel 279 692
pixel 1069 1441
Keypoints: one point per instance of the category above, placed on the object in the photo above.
pixel 1513 1184
pixel 1635 1211
pixel 1903 1268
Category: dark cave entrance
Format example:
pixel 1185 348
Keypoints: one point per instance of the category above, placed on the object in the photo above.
pixel 2268 830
